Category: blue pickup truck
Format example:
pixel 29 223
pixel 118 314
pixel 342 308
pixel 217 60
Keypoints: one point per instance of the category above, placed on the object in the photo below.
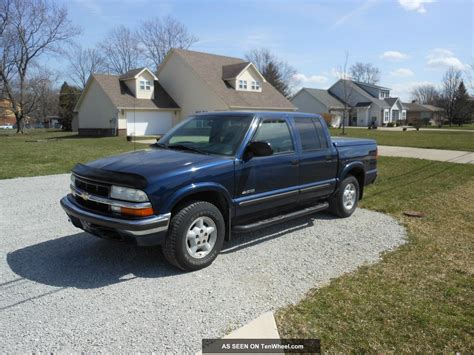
pixel 218 173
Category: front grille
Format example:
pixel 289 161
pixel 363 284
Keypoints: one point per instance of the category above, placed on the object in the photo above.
pixel 92 205
pixel 92 187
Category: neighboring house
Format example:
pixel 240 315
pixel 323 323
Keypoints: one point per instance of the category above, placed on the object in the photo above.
pixel 6 114
pixel 319 101
pixel 424 113
pixel 187 82
pixel 133 104
pixel 367 103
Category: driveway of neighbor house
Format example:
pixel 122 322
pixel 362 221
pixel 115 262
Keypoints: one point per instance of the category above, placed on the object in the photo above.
pixel 67 291
pixel 453 156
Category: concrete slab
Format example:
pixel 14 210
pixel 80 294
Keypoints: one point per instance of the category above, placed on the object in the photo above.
pixel 452 156
pixel 263 327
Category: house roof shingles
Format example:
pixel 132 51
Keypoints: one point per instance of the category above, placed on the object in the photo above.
pixel 210 68
pixel 121 96
pixel 131 74
pixel 416 107
pixel 325 97
pixel 353 86
pixel 233 70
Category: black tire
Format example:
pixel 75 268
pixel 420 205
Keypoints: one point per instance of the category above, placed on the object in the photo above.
pixel 336 203
pixel 175 246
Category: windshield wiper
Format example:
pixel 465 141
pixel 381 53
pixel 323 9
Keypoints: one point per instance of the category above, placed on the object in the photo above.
pixel 161 145
pixel 186 147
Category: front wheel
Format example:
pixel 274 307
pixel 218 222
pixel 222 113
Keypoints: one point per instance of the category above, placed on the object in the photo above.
pixel 195 237
pixel 344 202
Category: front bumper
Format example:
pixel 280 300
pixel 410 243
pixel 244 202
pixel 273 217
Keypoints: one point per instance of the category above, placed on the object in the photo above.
pixel 143 231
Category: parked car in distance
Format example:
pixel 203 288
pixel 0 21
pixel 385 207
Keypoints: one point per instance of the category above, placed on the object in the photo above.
pixel 6 126
pixel 217 173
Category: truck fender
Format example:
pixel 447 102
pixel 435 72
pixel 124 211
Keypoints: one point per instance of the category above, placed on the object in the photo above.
pixel 191 189
pixel 356 165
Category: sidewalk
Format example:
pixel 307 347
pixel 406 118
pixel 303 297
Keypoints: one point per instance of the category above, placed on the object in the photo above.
pixel 411 128
pixel 453 156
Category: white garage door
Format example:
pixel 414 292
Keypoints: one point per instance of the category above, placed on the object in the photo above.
pixel 146 123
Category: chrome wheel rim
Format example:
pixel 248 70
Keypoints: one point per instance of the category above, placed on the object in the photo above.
pixel 201 237
pixel 349 196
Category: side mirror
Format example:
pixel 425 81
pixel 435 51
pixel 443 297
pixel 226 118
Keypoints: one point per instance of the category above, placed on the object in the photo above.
pixel 259 149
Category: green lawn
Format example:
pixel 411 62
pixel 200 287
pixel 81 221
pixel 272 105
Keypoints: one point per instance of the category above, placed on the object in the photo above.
pixel 420 297
pixel 469 126
pixel 44 152
pixel 419 139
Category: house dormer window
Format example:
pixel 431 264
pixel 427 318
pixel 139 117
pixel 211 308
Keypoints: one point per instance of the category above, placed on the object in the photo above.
pixel 145 85
pixel 255 85
pixel 243 84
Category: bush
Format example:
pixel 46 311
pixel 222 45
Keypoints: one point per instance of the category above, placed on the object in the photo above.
pixel 390 124
pixel 328 118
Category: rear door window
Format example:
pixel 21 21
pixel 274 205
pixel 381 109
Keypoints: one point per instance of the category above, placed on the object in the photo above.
pixel 308 136
pixel 277 133
pixel 320 130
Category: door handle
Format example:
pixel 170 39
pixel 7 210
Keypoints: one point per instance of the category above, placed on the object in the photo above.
pixel 328 157
pixel 295 162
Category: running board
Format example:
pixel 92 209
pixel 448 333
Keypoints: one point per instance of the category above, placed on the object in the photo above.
pixel 280 218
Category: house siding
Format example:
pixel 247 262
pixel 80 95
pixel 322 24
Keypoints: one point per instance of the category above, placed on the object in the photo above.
pixel 304 102
pixel 96 110
pixel 189 91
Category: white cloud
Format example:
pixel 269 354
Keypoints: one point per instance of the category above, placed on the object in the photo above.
pixel 415 5
pixel 402 73
pixel 444 58
pixel 312 79
pixel 394 55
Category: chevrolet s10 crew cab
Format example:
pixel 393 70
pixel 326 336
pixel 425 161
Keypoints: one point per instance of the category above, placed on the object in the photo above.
pixel 216 173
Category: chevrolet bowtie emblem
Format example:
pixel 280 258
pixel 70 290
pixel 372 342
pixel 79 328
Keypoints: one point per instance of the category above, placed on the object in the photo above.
pixel 85 196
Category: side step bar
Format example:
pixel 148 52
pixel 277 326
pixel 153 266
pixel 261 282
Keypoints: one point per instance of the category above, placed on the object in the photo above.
pixel 280 218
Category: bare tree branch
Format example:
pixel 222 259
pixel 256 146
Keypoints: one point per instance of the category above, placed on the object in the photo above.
pixel 159 36
pixel 121 50
pixel 365 73
pixel 451 80
pixel 85 62
pixel 30 29
pixel 277 72
pixel 425 94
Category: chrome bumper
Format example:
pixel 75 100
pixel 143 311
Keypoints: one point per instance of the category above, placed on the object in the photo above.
pixel 135 227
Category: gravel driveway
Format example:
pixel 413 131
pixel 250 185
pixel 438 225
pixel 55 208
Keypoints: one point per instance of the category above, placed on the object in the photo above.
pixel 64 290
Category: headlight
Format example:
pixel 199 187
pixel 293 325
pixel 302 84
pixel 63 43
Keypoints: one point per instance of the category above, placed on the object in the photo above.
pixel 73 180
pixel 127 194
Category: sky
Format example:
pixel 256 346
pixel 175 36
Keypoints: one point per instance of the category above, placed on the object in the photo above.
pixel 411 41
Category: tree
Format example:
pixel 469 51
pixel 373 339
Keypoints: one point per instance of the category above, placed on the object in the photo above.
pixel 462 105
pixel 159 36
pixel 365 73
pixel 425 94
pixel 275 71
pixel 451 81
pixel 68 96
pixel 346 90
pixel 29 29
pixel 122 50
pixel 83 62
pixel 46 102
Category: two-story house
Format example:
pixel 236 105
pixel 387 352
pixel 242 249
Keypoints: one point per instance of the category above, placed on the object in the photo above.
pixel 142 103
pixel 366 103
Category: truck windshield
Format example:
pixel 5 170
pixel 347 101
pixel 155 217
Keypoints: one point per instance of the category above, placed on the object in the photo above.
pixel 212 134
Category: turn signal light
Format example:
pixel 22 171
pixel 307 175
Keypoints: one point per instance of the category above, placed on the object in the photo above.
pixel 136 212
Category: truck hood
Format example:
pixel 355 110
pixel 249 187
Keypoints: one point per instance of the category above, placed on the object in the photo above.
pixel 154 162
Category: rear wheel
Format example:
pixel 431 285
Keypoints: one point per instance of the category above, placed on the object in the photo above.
pixel 344 202
pixel 195 236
